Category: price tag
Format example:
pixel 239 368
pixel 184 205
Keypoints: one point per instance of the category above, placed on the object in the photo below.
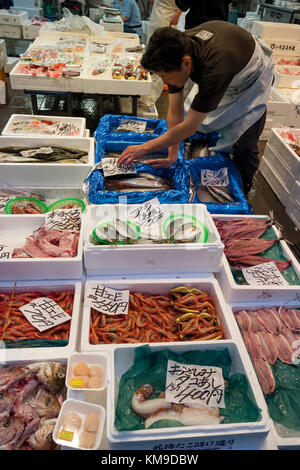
pixel 33 152
pixel 43 313
pixel 215 178
pixel 76 382
pixel 107 300
pixel 66 435
pixel 130 125
pixel 64 219
pixel 148 217
pixel 3 201
pixel 110 167
pixel 265 274
pixel 194 384
pixel 6 249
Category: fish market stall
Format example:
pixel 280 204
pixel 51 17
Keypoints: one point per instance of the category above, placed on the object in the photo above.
pixel 24 124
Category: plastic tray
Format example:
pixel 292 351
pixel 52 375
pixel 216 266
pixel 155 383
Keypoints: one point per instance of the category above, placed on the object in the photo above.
pixel 278 166
pixel 284 80
pixel 285 151
pixel 80 123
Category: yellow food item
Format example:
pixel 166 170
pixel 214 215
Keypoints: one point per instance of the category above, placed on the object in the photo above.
pixel 76 381
pixel 87 440
pixel 95 382
pixel 91 422
pixel 81 369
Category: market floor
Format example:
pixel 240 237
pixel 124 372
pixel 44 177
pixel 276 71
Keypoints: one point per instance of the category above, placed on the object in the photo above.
pixel 262 198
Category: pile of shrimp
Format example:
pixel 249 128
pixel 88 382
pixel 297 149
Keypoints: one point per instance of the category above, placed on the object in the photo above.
pixel 15 326
pixel 185 314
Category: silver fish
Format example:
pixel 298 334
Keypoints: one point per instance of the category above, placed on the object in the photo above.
pixel 187 233
pixel 221 193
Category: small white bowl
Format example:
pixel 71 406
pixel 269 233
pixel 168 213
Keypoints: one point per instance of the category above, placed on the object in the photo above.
pixel 65 437
pixel 98 359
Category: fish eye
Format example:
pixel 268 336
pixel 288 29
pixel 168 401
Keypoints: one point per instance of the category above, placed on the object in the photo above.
pixel 61 375
pixel 49 438
pixel 6 422
pixel 48 401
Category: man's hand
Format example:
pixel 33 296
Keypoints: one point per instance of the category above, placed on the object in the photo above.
pixel 175 18
pixel 131 154
pixel 161 162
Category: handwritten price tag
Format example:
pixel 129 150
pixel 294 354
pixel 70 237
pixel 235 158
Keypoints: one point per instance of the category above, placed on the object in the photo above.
pixel 149 217
pixel 6 250
pixel 43 313
pixel 215 178
pixel 64 219
pixel 110 167
pixel 194 384
pixel 3 201
pixel 265 274
pixel 130 125
pixel 107 300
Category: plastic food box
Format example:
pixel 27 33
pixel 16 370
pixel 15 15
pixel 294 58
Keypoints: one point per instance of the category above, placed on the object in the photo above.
pixel 285 439
pixel 233 436
pixel 13 17
pixel 234 292
pixel 287 80
pixel 279 167
pixel 155 286
pixel 285 151
pixel 278 104
pixel 42 174
pixel 16 228
pixel 44 288
pixel 80 123
pixel 91 360
pixel 274 180
pixel 204 257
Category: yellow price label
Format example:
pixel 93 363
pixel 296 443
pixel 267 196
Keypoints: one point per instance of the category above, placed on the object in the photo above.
pixel 66 435
pixel 76 382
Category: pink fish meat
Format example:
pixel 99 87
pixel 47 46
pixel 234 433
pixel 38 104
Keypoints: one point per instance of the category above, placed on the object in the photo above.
pixel 285 352
pixel 269 346
pixel 291 318
pixel 240 262
pixel 239 248
pixel 243 320
pixel 265 376
pixel 265 317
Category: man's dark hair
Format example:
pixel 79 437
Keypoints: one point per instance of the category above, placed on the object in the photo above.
pixel 165 50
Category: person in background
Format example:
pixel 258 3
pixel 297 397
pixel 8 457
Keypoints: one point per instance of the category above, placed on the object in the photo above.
pixel 201 11
pixel 233 78
pixel 163 13
pixel 131 16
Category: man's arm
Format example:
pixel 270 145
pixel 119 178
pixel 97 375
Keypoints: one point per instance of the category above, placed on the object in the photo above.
pixel 175 18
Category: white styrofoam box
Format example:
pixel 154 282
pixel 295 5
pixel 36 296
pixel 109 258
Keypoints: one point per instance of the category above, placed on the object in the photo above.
pixel 22 81
pixel 295 192
pixel 287 80
pixel 285 151
pixel 13 17
pixel 234 292
pixel 32 12
pixel 241 435
pixel 105 84
pixel 151 258
pixel 128 39
pixel 48 34
pixel 10 31
pixel 278 104
pixel 10 63
pixel 284 438
pixel 274 180
pixel 119 27
pixel 278 166
pixel 80 123
pixel 45 288
pixel 17 228
pixel 31 31
pixel 28 3
pixel 269 29
pixel 283 47
pixel 275 121
pixel 156 286
pixel 265 135
pixel 45 174
pixel 293 211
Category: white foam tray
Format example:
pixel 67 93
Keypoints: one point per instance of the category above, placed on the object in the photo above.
pixel 241 434
pixel 278 166
pixel 284 80
pixel 293 211
pixel 11 31
pixel 279 105
pixel 274 180
pixel 80 123
pixel 18 227
pixel 46 287
pixel 141 259
pixel 30 31
pixel 13 17
pixel 283 47
pixel 268 29
pixel 285 151
pixel 44 174
pixel 156 286
pixel 292 441
pixel 234 292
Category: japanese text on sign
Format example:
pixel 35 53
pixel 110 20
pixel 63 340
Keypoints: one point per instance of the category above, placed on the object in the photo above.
pixel 215 178
pixel 265 274
pixel 130 125
pixel 107 300
pixel 195 384
pixel 5 250
pixel 149 217
pixel 110 167
pixel 43 313
pixel 64 219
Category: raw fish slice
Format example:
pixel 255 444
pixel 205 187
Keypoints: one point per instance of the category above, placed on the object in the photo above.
pixel 275 318
pixel 269 346
pixel 253 345
pixel 243 320
pixel 264 317
pixel 285 352
pixel 255 324
pixel 239 248
pixel 290 318
pixel 289 335
pixel 240 262
pixel 265 376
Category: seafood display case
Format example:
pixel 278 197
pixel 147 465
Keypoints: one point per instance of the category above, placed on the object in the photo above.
pixel 194 247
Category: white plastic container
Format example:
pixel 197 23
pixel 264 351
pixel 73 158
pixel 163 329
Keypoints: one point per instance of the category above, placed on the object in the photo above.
pixel 293 211
pixel 279 167
pixel 283 47
pixel 233 436
pixel 44 174
pixel 80 123
pixel 16 228
pixel 287 80
pixel 82 409
pixel 118 27
pixel 31 31
pixel 13 17
pixel 11 31
pixel 285 151
pixel 98 359
pixel 234 292
pixel 155 286
pixel 45 288
pixel 278 104
pixel 152 259
pixel 285 439
pixel 269 29
pixel 274 181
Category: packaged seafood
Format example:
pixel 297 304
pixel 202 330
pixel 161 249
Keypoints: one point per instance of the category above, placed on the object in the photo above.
pixel 25 205
pixel 79 425
pixel 19 336
pixel 231 275
pixel 177 237
pixel 31 251
pixel 243 432
pixel 207 321
pixel 67 203
pixel 87 372
pixel 74 157
pixel 271 336
pixel 22 124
